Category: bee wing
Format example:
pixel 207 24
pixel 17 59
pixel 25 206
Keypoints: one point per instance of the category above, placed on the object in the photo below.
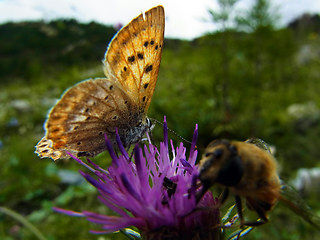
pixel 259 143
pixel 294 201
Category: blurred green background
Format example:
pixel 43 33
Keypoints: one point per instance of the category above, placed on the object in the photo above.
pixel 250 78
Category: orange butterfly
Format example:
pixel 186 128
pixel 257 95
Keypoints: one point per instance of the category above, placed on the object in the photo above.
pixel 92 108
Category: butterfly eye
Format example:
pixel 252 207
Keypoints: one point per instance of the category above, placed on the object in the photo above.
pixel 149 123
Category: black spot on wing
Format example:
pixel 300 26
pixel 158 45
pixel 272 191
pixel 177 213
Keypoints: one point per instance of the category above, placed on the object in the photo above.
pixel 83 154
pixel 131 59
pixel 140 56
pixel 148 68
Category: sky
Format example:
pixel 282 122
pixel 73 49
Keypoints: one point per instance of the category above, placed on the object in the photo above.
pixel 186 19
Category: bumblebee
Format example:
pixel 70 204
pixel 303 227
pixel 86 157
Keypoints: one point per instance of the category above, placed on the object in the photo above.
pixel 247 170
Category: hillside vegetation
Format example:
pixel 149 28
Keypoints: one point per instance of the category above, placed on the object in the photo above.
pixel 236 83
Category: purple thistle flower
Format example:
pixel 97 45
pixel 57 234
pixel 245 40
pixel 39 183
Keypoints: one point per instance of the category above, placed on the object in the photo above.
pixel 155 193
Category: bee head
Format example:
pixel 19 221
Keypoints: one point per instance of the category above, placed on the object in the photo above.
pixel 221 164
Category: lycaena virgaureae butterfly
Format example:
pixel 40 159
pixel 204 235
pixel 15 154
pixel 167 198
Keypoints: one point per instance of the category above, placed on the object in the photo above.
pixel 92 108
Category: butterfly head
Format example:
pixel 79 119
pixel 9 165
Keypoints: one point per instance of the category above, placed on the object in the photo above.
pixel 135 134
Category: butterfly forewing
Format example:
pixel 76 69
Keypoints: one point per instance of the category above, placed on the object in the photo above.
pixel 134 56
pixel 153 55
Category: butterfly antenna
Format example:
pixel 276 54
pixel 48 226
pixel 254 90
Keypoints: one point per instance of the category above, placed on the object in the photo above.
pixel 170 130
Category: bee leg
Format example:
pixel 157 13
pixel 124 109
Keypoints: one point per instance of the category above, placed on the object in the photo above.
pixel 263 218
pixel 238 236
pixel 200 194
pixel 254 223
pixel 262 214
pixel 223 197
pixel 239 208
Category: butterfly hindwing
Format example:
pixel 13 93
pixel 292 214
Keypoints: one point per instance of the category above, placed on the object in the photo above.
pixel 81 127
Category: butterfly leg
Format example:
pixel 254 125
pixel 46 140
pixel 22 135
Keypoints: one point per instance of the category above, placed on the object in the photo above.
pixel 131 155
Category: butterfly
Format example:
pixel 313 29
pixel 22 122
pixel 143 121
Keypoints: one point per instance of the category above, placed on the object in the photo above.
pixel 95 107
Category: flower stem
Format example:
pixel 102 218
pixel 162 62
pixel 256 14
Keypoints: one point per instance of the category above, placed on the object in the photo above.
pixel 22 220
